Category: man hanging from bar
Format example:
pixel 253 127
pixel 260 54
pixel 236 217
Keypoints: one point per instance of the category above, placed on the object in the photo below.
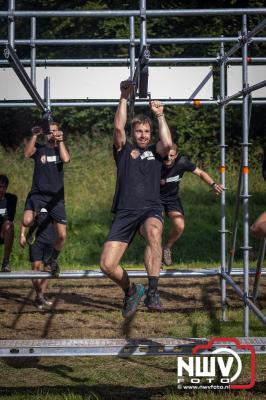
pixel 136 202
pixel 47 189
pixel 174 167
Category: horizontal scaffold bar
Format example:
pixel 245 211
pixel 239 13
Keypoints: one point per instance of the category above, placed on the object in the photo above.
pixel 136 13
pixel 111 42
pixel 126 61
pixel 92 274
pixel 197 103
pixel 120 347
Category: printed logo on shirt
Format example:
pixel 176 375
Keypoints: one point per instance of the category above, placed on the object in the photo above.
pixel 50 159
pixel 2 211
pixel 147 154
pixel 173 179
pixel 43 210
pixel 135 153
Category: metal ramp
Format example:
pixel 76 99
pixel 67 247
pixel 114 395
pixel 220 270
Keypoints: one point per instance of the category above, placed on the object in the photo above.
pixel 118 347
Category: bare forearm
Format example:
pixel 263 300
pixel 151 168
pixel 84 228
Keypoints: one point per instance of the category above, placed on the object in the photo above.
pixel 164 132
pixel 64 155
pixel 120 123
pixel 30 146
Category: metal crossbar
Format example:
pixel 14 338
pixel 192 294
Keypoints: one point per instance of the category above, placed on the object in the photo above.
pixel 95 274
pixel 119 347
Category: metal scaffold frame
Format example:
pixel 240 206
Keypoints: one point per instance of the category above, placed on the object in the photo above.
pixel 154 346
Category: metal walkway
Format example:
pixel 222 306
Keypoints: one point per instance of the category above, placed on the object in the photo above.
pixel 119 347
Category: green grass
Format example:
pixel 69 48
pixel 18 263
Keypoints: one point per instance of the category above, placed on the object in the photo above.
pixel 90 181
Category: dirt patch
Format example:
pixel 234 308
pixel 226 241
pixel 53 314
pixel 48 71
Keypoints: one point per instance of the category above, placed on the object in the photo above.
pixel 92 308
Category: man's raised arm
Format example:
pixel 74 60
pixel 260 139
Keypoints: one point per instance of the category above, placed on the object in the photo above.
pixel 121 115
pixel 30 146
pixel 165 142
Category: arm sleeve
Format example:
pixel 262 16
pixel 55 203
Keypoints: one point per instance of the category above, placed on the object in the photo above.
pixel 118 154
pixel 187 164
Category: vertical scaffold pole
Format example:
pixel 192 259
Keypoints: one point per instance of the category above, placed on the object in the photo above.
pixel 132 46
pixel 33 50
pixel 47 94
pixel 11 23
pixel 245 171
pixel 143 24
pixel 222 172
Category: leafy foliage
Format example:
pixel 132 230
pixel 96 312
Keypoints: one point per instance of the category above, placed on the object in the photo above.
pixel 196 130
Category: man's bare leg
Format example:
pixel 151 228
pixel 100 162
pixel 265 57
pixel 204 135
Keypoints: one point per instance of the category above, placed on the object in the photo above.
pixel 110 258
pixel 152 231
pixel 177 228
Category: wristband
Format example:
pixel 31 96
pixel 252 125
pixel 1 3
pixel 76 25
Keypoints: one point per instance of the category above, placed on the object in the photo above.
pixel 213 184
pixel 159 115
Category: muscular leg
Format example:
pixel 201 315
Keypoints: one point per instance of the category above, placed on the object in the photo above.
pixel 110 258
pixel 152 232
pixel 258 229
pixel 60 236
pixel 177 227
pixel 7 234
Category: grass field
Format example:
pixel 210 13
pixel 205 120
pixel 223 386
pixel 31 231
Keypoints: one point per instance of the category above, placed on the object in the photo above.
pixel 92 309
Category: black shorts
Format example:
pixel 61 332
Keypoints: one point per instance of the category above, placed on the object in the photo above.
pixel 54 205
pixel 173 205
pixel 127 222
pixel 40 252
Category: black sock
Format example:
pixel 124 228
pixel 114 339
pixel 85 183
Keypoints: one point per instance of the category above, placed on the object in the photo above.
pixel 153 283
pixel 55 254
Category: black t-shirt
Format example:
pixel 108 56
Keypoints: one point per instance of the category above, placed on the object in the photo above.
pixel 48 175
pixel 138 178
pixel 46 230
pixel 172 176
pixel 8 207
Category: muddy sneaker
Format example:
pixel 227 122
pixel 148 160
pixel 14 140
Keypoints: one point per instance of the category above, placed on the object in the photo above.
pixel 131 301
pixel 167 256
pixel 31 234
pixel 41 302
pixel 52 267
pixel 6 267
pixel 153 302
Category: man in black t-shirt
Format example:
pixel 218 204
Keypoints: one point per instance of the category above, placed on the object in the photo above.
pixel 8 204
pixel 136 201
pixel 40 252
pixel 174 167
pixel 258 229
pixel 47 189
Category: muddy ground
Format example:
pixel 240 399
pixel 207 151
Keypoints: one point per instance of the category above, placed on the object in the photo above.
pixel 91 308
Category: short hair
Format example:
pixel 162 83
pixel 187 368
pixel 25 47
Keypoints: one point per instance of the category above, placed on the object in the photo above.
pixel 4 180
pixel 140 119
pixel 54 123
pixel 174 147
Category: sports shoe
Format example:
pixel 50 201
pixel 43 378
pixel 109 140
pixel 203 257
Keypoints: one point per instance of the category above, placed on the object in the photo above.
pixel 31 234
pixel 6 267
pixel 153 302
pixel 132 300
pixel 52 267
pixel 167 256
pixel 41 302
